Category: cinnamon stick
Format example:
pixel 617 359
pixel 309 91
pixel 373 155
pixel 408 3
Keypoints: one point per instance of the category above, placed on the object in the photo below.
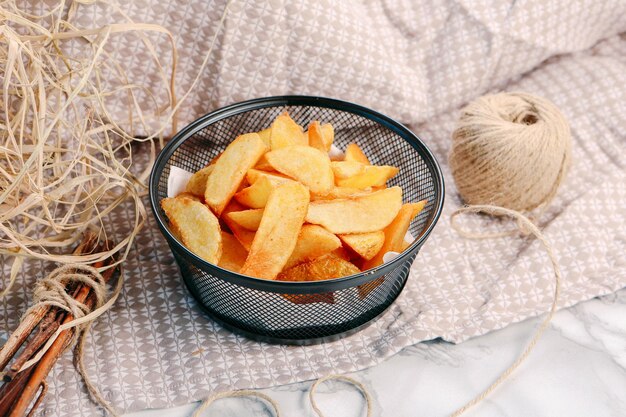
pixel 46 363
pixel 32 319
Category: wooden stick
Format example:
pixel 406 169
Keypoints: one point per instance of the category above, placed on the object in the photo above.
pixel 11 391
pixel 46 329
pixel 42 369
pixel 26 326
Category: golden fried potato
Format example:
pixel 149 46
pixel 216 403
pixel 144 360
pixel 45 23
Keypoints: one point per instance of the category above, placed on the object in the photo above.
pixel 243 235
pixel 230 169
pixel 278 232
pixel 197 182
pixel 346 169
pixel 328 135
pixel 321 136
pixel 256 195
pixel 313 242
pixel 353 174
pixel 233 253
pixel 248 219
pixel 367 245
pixel 308 165
pixel 285 132
pixel 355 154
pixel 196 225
pixel 275 178
pixel 265 136
pixel 340 192
pixel 362 214
pixel 263 164
pixel 394 233
pixel 325 267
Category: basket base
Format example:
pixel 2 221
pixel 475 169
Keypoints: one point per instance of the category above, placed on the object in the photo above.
pixel 267 338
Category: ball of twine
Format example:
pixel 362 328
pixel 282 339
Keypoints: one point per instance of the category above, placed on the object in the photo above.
pixel 510 150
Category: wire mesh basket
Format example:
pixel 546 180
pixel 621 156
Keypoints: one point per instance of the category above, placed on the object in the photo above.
pixel 301 312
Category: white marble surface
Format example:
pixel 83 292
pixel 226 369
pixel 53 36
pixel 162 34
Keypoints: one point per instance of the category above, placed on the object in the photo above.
pixel 577 369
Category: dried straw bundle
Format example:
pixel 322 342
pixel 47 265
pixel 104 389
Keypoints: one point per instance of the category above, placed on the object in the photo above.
pixel 65 163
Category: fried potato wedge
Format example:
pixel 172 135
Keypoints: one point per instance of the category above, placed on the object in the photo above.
pixel 395 231
pixel 248 219
pixel 265 136
pixel 263 165
pixel 321 136
pixel 313 242
pixel 362 214
pixel 340 192
pixel 230 169
pixel 243 235
pixel 353 174
pixel 325 267
pixel 367 245
pixel 355 154
pixel 284 132
pixel 197 182
pixel 278 232
pixel 308 165
pixel 196 225
pixel 233 253
pixel 346 169
pixel 256 195
pixel 328 135
pixel 275 178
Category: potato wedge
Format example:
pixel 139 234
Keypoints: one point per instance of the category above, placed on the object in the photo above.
pixel 230 169
pixel 321 136
pixel 233 253
pixel 367 245
pixel 325 267
pixel 313 242
pixel 353 174
pixel 263 165
pixel 197 182
pixel 275 178
pixel 395 231
pixel 308 165
pixel 243 235
pixel 196 225
pixel 256 195
pixel 340 192
pixel 278 232
pixel 328 135
pixel 265 136
pixel 346 169
pixel 362 214
pixel 248 219
pixel 355 154
pixel 285 132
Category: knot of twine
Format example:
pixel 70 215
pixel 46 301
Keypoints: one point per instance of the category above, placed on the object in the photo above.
pixel 52 290
pixel 510 150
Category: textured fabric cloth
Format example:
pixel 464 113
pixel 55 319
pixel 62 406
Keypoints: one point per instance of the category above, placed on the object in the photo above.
pixel 417 61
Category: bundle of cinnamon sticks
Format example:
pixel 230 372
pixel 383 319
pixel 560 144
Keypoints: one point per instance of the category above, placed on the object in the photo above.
pixel 21 387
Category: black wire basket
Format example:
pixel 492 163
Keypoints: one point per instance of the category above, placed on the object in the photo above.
pixel 301 312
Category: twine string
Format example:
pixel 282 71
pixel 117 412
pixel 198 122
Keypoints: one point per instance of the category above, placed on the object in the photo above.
pixel 524 225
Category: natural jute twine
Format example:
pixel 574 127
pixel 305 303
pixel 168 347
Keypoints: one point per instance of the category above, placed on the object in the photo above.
pixel 276 410
pixel 510 150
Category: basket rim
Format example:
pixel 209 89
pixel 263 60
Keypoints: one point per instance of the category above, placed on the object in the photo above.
pixel 302 287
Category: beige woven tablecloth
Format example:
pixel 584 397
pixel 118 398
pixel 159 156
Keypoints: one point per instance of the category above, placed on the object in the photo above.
pixel 417 61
